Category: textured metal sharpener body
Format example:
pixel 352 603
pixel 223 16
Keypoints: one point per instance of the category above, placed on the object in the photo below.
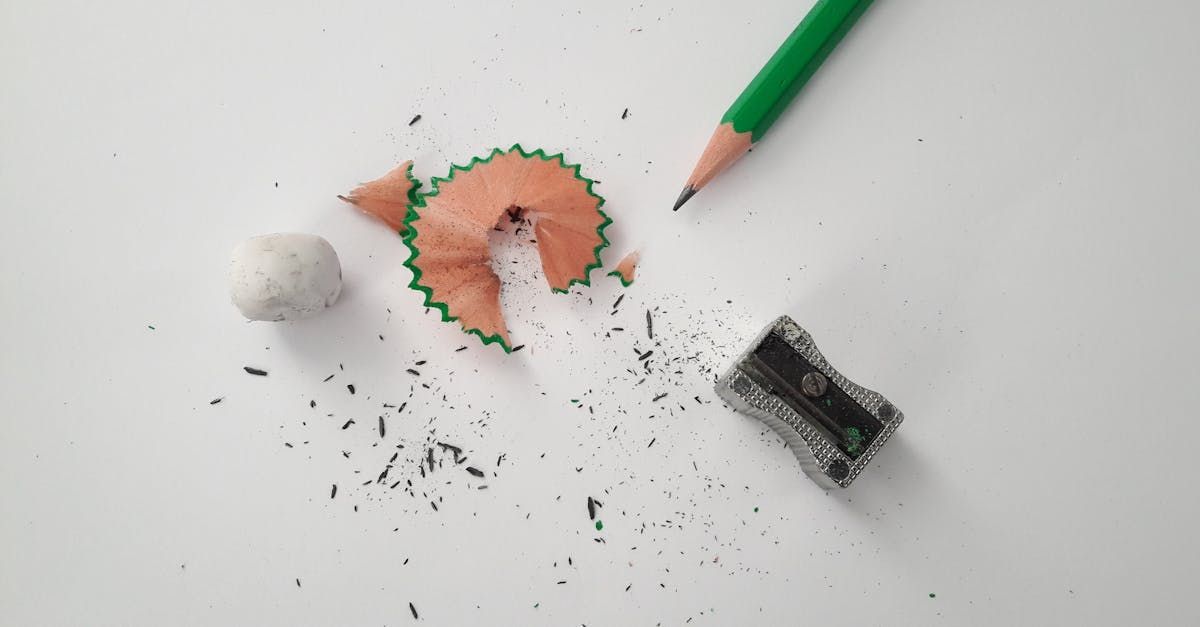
pixel 820 458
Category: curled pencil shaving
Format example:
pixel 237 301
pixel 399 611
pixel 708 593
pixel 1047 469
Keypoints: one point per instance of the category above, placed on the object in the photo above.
pixel 387 197
pixel 448 233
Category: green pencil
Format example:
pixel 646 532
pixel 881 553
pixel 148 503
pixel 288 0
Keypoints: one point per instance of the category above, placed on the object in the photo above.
pixel 773 88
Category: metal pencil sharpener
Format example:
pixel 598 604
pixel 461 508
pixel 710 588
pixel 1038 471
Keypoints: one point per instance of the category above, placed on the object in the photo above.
pixel 833 425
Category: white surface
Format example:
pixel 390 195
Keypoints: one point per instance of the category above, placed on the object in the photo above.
pixel 984 210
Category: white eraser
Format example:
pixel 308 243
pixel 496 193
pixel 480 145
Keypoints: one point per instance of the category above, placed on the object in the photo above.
pixel 284 276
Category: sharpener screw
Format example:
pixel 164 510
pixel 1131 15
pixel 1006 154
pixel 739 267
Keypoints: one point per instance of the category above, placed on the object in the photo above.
pixel 838 470
pixel 813 384
pixel 740 385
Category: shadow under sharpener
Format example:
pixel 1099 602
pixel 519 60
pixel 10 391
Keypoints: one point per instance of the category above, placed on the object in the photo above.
pixel 833 425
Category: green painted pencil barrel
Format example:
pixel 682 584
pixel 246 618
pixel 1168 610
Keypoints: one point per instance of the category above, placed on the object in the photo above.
pixel 765 98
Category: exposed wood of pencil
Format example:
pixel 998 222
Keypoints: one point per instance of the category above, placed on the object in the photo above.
pixel 725 147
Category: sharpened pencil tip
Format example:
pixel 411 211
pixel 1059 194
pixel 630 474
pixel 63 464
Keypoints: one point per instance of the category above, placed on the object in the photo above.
pixel 684 196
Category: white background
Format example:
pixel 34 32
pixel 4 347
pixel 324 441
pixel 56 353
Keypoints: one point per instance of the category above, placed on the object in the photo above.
pixel 987 211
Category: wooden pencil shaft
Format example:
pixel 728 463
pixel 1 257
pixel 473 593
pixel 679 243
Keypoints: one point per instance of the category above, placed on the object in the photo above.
pixel 792 65
pixel 773 88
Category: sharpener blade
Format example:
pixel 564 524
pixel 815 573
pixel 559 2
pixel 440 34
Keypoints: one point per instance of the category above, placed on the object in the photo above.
pixel 833 425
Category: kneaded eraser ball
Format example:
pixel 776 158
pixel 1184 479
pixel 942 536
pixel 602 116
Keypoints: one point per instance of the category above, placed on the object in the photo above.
pixel 284 276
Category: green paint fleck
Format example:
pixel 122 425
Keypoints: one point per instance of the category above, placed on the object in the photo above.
pixel 829 402
pixel 854 446
pixel 599 525
pixel 932 595
pixel 575 400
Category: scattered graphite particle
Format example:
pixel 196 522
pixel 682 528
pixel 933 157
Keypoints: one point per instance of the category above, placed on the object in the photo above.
pixel 312 404
pixel 327 379
pixel 413 372
pixel 255 371
pixel 625 113
pixel 649 325
pixel 151 327
pixel 932 595
pixel 475 472
pixel 350 387
pixel 333 491
pixel 416 118
pixel 755 510
pixel 517 348
pixel 599 525
pixel 412 608
pixel 297 582
pixel 591 508
pixel 216 400
pixel 382 427
pixel 449 447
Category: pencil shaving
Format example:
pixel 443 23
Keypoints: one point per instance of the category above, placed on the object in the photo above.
pixel 387 197
pixel 448 233
pixel 626 268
